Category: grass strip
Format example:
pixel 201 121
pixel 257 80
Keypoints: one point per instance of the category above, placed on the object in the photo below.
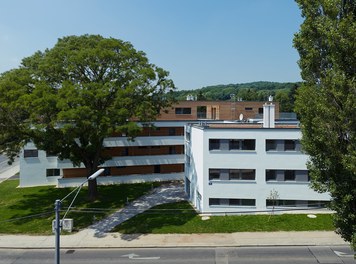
pixel 181 218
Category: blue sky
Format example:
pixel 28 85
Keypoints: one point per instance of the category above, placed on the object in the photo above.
pixel 200 42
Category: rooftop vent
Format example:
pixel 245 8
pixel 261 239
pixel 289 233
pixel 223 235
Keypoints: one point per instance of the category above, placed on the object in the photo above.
pixel 268 115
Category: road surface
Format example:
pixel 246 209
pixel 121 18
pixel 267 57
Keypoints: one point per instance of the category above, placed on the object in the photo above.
pixel 241 255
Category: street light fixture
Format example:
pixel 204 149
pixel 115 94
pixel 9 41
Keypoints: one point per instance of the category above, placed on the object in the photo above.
pixel 57 207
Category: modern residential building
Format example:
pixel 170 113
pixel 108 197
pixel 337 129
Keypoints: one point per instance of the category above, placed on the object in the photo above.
pixel 157 154
pixel 236 167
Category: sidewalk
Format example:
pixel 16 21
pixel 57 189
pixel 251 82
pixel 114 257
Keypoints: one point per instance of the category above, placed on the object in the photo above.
pixel 88 239
pixel 98 236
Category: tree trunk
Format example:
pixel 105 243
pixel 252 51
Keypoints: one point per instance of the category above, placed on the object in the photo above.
pixel 92 184
pixel 93 190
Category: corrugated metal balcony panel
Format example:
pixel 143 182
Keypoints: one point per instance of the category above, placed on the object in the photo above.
pixel 143 141
pixel 135 178
pixel 132 161
pixel 144 160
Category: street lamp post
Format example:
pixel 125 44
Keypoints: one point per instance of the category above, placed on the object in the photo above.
pixel 57 207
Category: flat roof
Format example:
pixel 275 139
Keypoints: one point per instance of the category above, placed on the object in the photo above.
pixel 245 126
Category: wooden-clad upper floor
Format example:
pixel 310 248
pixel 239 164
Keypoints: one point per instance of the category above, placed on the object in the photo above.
pixel 214 110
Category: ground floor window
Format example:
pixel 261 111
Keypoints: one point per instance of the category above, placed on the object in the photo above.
pixel 295 203
pixel 231 202
pixel 53 172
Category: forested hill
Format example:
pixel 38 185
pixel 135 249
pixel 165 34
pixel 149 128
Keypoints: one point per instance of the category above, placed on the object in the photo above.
pixel 284 93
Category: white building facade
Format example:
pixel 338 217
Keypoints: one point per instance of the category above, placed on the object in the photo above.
pixel 157 157
pixel 232 168
pixel 157 154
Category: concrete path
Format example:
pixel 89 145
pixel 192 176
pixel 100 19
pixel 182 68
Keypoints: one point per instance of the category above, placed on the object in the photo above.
pixel 8 171
pixel 88 239
pixel 167 193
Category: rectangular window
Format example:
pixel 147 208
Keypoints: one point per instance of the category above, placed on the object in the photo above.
pixel 235 202
pixel 248 175
pixel 183 111
pixel 234 174
pixel 53 172
pixel 214 144
pixel 248 144
pixel 125 151
pixel 214 201
pixel 271 145
pixel 242 174
pixel 30 153
pixel 234 144
pixel 214 174
pixel 232 202
pixel 282 145
pixel 248 108
pixel 201 111
pixel 248 202
pixel 289 175
pixel 172 131
pixel 157 168
pixel 296 203
pixel 271 175
pixel 172 150
pixel 289 145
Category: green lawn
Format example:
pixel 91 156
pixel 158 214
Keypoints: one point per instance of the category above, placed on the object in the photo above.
pixel 31 210
pixel 181 218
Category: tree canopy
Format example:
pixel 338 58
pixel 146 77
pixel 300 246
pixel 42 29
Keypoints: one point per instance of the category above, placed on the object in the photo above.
pixel 67 99
pixel 326 103
pixel 254 91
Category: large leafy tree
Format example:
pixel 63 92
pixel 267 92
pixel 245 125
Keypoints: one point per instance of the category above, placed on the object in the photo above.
pixel 69 98
pixel 326 103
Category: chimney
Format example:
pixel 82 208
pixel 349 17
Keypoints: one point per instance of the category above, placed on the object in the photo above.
pixel 268 115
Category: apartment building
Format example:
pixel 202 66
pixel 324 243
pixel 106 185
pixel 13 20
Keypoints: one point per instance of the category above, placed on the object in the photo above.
pixel 240 167
pixel 157 154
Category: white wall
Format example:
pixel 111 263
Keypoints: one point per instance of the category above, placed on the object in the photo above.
pixel 260 160
pixel 195 150
pixel 33 169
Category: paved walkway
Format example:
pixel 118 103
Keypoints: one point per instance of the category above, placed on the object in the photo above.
pixel 167 193
pixel 9 171
pixel 88 239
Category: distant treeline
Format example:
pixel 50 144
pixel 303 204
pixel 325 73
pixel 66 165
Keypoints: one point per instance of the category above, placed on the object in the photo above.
pixel 284 93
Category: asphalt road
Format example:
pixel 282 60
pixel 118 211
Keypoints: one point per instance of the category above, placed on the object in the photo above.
pixel 241 255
